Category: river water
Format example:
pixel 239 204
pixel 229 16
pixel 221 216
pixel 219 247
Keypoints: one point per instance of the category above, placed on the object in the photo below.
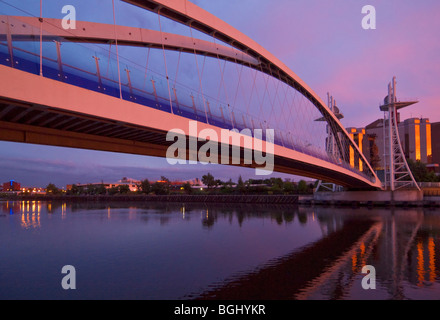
pixel 157 251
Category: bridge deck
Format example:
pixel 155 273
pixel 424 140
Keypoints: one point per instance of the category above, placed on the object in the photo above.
pixel 39 110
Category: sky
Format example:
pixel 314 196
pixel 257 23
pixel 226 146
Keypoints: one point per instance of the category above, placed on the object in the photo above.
pixel 322 41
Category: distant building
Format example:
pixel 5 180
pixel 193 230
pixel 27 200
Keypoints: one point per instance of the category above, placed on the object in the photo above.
pixel 358 135
pixel 415 137
pixel 195 182
pixel 34 190
pixel 134 184
pixel 367 143
pixel 11 186
pixel 435 134
pixel 131 183
pixel 416 142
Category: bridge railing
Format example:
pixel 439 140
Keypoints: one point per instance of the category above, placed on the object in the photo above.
pixel 100 68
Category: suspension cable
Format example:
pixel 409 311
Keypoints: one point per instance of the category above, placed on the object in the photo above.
pixel 198 73
pixel 41 37
pixel 146 68
pixel 165 61
pixel 117 52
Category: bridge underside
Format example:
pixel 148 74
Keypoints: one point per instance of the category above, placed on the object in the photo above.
pixel 52 113
pixel 41 126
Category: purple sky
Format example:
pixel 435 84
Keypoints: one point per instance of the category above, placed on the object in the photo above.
pixel 321 41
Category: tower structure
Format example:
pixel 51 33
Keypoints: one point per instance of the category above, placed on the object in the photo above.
pixel 397 172
pixel 330 142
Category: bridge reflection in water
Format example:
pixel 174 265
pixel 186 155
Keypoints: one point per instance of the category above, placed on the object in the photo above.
pixel 402 245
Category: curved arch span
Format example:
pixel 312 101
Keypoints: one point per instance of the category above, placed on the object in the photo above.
pixel 187 13
pixel 92 32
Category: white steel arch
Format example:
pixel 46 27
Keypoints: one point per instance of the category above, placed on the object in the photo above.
pixel 187 13
pixel 246 51
pixel 26 28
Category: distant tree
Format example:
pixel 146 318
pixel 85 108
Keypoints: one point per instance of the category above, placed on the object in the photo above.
pixel 421 172
pixel 227 187
pixel 187 188
pixel 288 187
pixel 275 189
pixel 52 189
pixel 255 181
pixel 302 186
pixel 162 186
pixel 91 189
pixel 275 185
pixel 167 184
pixel 113 190
pixel 157 188
pixel 74 190
pixel 101 189
pixel 208 180
pixel 228 183
pixel 124 189
pixel 241 188
pixel 145 186
pixel 278 182
pixel 80 190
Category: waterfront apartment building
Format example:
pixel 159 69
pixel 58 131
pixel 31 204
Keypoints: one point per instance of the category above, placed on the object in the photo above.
pixel 11 186
pixel 131 183
pixel 435 134
pixel 415 137
pixel 358 135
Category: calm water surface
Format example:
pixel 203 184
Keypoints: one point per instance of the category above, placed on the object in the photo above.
pixel 196 251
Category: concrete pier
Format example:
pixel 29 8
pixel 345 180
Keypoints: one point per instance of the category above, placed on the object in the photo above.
pixel 399 198
pixel 374 196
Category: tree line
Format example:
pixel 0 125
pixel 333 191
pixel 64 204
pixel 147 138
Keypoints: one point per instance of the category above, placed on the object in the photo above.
pixel 211 185
pixel 421 173
pixel 217 186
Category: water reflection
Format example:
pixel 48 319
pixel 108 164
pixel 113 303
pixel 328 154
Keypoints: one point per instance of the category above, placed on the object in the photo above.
pixel 29 212
pixel 301 272
pixel 248 252
pixel 401 244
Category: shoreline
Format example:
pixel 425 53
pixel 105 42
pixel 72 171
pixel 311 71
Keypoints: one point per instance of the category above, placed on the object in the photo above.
pixel 250 199
pixel 307 200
